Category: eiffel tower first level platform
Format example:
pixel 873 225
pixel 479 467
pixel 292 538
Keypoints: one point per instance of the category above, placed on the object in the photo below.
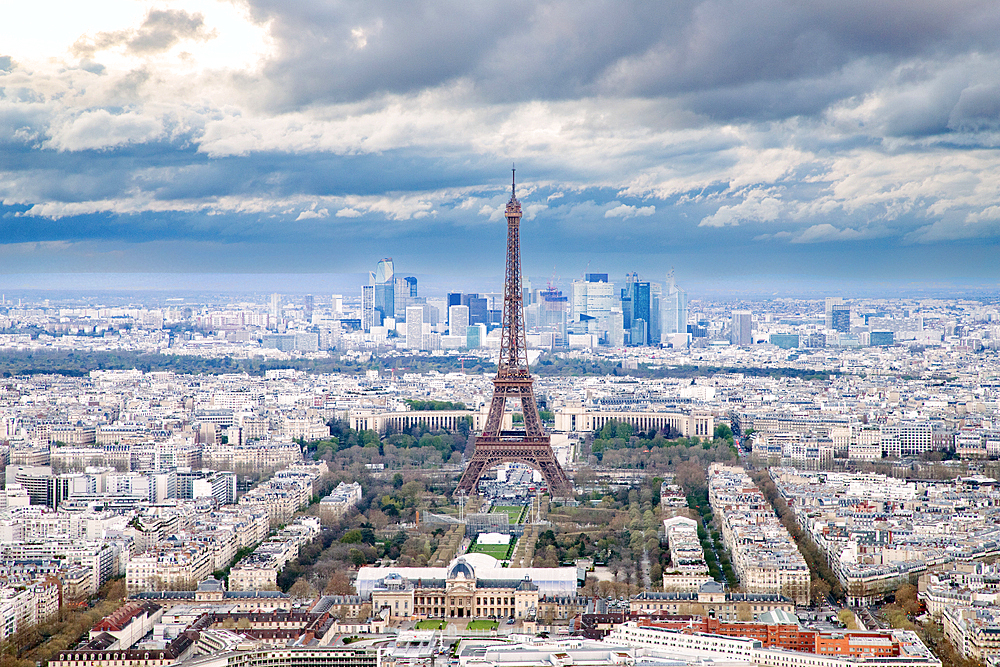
pixel 514 382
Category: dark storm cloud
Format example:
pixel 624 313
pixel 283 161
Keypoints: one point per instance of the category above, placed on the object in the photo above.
pixel 337 51
pixel 178 172
pixel 977 109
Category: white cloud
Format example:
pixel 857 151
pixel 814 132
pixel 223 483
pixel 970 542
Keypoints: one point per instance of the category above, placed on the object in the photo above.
pixel 827 232
pixel 349 213
pixel 626 211
pixel 99 129
pixel 529 211
pixel 758 205
pixel 310 214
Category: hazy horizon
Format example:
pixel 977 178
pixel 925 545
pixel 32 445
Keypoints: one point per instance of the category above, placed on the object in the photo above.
pixel 41 286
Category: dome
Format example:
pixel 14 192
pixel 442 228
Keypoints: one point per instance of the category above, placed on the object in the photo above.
pixel 461 570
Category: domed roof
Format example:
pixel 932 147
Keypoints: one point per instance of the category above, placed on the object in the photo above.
pixel 461 570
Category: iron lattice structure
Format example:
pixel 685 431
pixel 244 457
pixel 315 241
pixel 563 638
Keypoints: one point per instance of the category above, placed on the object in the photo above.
pixel 513 381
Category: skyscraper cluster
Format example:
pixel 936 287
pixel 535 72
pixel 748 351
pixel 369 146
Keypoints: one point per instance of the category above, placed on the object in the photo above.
pixel 595 311
pixel 386 296
pixel 641 312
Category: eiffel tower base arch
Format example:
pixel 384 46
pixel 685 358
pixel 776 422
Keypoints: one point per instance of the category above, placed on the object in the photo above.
pixel 535 451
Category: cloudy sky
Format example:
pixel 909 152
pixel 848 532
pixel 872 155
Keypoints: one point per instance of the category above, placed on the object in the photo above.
pixel 792 139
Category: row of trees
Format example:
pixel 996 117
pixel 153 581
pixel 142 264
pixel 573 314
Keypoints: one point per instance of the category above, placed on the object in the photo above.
pixel 552 365
pixel 903 612
pixel 39 644
pixel 716 557
pixel 824 580
pixel 415 404
pixel 79 363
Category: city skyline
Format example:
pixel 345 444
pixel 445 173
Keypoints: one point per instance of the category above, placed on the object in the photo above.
pixel 842 142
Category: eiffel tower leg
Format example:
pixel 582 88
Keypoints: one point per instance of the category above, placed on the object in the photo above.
pixel 555 476
pixel 475 469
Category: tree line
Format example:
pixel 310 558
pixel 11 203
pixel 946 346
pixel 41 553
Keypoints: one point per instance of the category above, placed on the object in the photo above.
pixel 824 581
pixel 80 363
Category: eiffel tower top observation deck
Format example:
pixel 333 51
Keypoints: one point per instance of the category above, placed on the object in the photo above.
pixel 513 381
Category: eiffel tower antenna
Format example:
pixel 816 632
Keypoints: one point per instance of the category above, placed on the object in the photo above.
pixel 513 381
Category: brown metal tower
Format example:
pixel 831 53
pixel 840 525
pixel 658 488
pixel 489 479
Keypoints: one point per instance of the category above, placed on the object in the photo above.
pixel 513 381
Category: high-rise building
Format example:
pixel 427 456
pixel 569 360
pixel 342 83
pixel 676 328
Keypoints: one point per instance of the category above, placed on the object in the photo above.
pixel 553 313
pixel 309 303
pixel 578 300
pixel 655 300
pixel 458 320
pixel 881 338
pixel 404 295
pixel 592 299
pixel 475 335
pixel 600 299
pixel 741 330
pixel 368 317
pixel 639 331
pixel 337 304
pixel 636 305
pixel 674 307
pixel 275 310
pixel 385 285
pixel 616 330
pixel 840 318
pixel 832 301
pixel 478 312
pixel 415 327
pixel 453 299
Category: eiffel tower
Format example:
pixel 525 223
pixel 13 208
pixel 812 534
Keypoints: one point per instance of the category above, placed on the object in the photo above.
pixel 513 381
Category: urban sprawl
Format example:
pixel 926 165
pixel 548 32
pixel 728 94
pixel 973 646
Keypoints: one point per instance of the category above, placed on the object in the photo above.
pixel 273 480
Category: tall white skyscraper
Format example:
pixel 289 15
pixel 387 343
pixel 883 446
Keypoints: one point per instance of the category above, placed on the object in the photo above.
pixel 578 299
pixel 616 329
pixel 741 332
pixel 591 300
pixel 674 308
pixel 275 310
pixel 458 317
pixel 414 327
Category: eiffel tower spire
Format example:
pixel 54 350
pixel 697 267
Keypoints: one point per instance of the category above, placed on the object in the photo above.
pixel 513 381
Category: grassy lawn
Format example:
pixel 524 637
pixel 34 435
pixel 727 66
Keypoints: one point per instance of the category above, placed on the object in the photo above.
pixel 498 551
pixel 430 624
pixel 482 625
pixel 512 511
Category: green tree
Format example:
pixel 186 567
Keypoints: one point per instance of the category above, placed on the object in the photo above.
pixel 723 432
